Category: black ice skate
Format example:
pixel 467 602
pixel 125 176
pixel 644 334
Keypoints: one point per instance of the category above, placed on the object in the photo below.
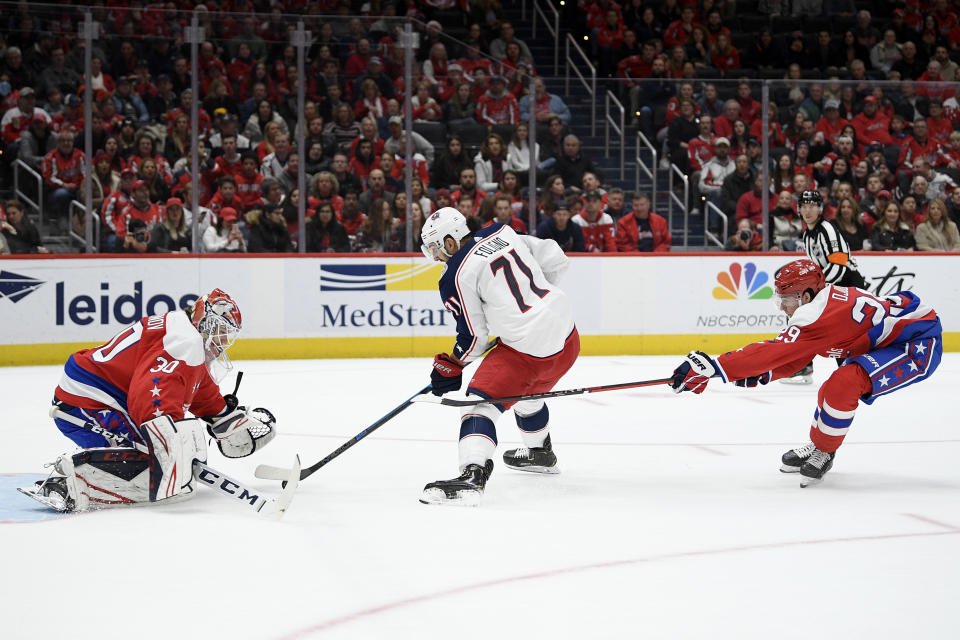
pixel 792 460
pixel 804 376
pixel 51 492
pixel 535 459
pixel 465 490
pixel 816 467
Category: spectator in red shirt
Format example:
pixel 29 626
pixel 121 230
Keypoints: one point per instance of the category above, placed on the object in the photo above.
pixel 937 88
pixel 139 208
pixel 62 171
pixel 871 124
pixel 919 144
pixel 247 182
pixel 608 38
pixel 723 125
pixel 503 213
pixel 831 125
pixel 226 196
pixel 938 126
pixel 749 108
pixel 597 226
pixel 750 204
pixel 724 56
pixel 643 230
pixel 497 105
pixel 679 31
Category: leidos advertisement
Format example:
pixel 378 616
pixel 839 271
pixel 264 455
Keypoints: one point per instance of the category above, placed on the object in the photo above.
pixel 662 304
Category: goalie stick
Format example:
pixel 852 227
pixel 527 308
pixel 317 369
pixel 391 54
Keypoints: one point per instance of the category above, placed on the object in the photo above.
pixel 267 472
pixel 225 485
pixel 452 402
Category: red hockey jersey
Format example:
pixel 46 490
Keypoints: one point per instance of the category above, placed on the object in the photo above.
pixel 152 368
pixel 840 322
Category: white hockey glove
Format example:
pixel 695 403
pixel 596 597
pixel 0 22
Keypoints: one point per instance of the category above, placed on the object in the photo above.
pixel 693 373
pixel 243 431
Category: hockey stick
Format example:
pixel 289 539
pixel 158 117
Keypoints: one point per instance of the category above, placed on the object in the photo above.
pixel 452 402
pixel 225 485
pixel 267 472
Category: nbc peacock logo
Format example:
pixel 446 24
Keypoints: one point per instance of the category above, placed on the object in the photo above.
pixel 744 282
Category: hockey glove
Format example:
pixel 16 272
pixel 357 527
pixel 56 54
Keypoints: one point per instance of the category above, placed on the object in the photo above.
pixel 753 381
pixel 241 432
pixel 447 374
pixel 693 373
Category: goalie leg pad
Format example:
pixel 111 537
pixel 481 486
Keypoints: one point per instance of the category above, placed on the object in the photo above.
pixel 173 447
pixel 105 477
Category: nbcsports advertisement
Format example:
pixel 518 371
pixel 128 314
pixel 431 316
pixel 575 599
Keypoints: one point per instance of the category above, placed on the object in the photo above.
pixel 363 306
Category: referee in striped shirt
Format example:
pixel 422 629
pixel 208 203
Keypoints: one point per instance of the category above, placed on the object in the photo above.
pixel 827 248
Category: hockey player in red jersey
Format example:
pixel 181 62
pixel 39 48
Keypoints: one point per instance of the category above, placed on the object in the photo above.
pixel 887 343
pixel 138 387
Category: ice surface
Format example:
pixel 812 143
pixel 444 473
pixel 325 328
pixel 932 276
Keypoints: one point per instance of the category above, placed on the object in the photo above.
pixel 670 519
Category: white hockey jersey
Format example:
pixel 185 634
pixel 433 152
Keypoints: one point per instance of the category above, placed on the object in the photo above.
pixel 504 284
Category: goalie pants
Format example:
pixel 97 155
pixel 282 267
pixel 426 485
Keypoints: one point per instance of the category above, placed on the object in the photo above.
pixel 109 419
pixel 866 378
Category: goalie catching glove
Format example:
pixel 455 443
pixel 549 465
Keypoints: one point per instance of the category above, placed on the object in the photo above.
pixel 241 431
pixel 693 373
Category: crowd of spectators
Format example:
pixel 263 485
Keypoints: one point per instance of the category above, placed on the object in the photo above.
pixel 470 102
pixel 864 109
pixel 471 148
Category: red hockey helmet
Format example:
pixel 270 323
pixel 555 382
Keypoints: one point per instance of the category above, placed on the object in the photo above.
pixel 793 279
pixel 217 318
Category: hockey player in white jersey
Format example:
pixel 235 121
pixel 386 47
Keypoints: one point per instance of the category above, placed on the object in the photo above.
pixel 498 283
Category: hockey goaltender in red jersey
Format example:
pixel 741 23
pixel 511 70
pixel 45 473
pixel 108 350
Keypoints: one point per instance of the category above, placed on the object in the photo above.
pixel 885 343
pixel 135 391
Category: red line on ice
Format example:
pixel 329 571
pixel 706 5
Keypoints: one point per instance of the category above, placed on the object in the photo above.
pixel 437 595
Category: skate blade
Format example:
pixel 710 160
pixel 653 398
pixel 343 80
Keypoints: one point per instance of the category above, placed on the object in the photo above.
pixel 53 503
pixel 809 482
pixel 785 468
pixel 797 380
pixel 464 498
pixel 536 469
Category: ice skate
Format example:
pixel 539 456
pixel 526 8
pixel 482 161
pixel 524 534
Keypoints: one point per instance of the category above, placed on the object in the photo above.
pixel 804 376
pixel 816 467
pixel 792 460
pixel 534 459
pixel 51 492
pixel 467 490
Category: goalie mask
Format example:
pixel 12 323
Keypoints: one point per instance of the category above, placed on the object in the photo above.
pixel 444 222
pixel 217 319
pixel 792 280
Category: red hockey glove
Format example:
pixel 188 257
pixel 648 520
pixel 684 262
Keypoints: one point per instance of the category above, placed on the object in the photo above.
pixel 447 374
pixel 693 373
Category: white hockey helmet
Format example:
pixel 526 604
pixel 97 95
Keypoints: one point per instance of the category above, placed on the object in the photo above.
pixel 444 222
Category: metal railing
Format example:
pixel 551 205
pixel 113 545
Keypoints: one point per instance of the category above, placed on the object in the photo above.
pixel 709 236
pixel 23 196
pixel 618 128
pixel 77 207
pixel 590 86
pixel 554 30
pixel 674 198
pixel 651 171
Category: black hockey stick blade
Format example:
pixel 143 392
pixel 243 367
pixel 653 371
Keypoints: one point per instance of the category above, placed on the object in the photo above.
pixel 268 472
pixel 453 402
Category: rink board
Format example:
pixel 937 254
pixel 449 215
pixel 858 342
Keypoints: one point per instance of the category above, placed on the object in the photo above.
pixel 364 306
